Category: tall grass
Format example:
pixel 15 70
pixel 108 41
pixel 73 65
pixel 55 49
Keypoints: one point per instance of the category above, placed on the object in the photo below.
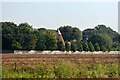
pixel 62 69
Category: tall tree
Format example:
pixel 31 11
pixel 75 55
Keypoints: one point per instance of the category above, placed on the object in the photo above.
pixel 97 47
pixel 91 47
pixel 70 33
pixel 8 35
pixel 103 40
pixel 29 41
pixel 74 45
pixel 85 46
pixel 51 41
pixel 41 39
pixel 28 38
pixel 79 46
pixel 68 46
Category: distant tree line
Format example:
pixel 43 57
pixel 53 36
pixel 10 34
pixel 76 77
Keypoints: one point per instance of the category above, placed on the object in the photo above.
pixel 24 37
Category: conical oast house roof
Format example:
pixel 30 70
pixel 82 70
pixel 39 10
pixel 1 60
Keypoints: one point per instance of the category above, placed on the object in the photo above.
pixel 60 37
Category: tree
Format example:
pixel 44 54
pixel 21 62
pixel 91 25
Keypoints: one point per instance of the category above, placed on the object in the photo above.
pixel 91 47
pixel 103 48
pixel 61 46
pixel 40 44
pixel 8 35
pixel 85 46
pixel 97 47
pixel 116 46
pixel 6 43
pixel 25 28
pixel 102 29
pixel 29 41
pixel 74 45
pixel 79 46
pixel 24 37
pixel 88 33
pixel 68 46
pixel 51 41
pixel 46 40
pixel 70 33
pixel 41 38
pixel 103 40
pixel 16 46
pixel 76 33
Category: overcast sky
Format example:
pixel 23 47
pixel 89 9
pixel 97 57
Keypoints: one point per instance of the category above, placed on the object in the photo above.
pixel 52 15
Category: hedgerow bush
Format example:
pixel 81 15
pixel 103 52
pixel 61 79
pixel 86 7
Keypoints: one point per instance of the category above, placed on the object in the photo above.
pixel 66 69
pixel 44 71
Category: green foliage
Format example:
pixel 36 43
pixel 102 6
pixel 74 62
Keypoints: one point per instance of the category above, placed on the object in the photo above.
pixel 51 42
pixel 25 28
pixel 29 41
pixel 24 37
pixel 76 34
pixel 8 74
pixel 97 47
pixel 46 40
pixel 85 46
pixel 19 37
pixel 102 29
pixel 88 33
pixel 98 70
pixel 68 46
pixel 74 45
pixel 103 40
pixel 91 47
pixel 112 70
pixel 103 48
pixel 79 46
pixel 44 71
pixel 27 36
pixel 40 44
pixel 65 69
pixel 70 33
pixel 116 46
pixel 8 29
pixel 16 46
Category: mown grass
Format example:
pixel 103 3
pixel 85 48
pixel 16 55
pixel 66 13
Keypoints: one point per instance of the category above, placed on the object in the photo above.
pixel 62 69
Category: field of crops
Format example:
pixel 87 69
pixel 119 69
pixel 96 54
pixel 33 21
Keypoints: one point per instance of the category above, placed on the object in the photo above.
pixel 51 58
pixel 89 65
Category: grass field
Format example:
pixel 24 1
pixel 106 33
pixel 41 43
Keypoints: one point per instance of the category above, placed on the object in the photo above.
pixel 60 65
